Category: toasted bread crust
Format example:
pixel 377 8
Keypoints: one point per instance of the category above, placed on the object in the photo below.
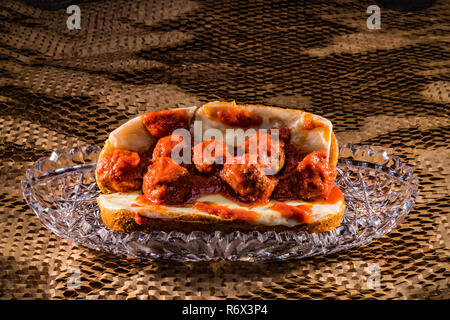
pixel 106 148
pixel 125 221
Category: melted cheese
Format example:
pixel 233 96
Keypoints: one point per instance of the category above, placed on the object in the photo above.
pixel 133 136
pixel 268 217
pixel 317 139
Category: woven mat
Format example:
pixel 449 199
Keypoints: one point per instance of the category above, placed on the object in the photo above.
pixel 389 88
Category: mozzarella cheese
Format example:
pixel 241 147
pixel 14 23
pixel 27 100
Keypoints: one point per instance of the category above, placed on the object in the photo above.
pixel 133 136
pixel 267 216
pixel 316 139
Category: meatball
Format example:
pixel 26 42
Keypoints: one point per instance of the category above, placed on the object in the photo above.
pixel 312 178
pixel 268 152
pixel 167 182
pixel 248 181
pixel 293 156
pixel 120 171
pixel 210 155
pixel 163 123
pixel 165 146
pixel 285 134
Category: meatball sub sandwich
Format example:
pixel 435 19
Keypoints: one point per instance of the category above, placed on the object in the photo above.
pixel 221 167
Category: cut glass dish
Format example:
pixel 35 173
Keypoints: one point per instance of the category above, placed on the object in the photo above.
pixel 379 191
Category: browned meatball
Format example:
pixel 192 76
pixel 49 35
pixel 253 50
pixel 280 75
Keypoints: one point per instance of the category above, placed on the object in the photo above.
pixel 285 134
pixel 311 179
pixel 165 146
pixel 315 175
pixel 120 171
pixel 167 182
pixel 249 181
pixel 293 156
pixel 210 155
pixel 269 153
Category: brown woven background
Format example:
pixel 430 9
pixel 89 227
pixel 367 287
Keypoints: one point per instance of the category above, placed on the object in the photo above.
pixel 388 88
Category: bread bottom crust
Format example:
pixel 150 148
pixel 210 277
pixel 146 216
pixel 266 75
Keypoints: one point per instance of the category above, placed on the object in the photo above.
pixel 124 221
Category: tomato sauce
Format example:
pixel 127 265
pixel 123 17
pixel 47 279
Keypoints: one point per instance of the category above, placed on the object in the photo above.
pixel 236 117
pixel 312 178
pixel 163 123
pixel 209 155
pixel 335 195
pixel 166 182
pixel 293 155
pixel 213 184
pixel 301 213
pixel 227 213
pixel 166 145
pixel 202 185
pixel 143 201
pixel 140 220
pixel 309 123
pixel 120 171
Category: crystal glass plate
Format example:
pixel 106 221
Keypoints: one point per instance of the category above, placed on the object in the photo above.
pixel 378 188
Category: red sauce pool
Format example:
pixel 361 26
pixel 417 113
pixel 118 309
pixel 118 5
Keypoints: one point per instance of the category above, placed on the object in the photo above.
pixel 227 213
pixel 301 213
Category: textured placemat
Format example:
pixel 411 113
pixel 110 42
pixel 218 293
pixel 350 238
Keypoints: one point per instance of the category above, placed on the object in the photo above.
pixel 389 88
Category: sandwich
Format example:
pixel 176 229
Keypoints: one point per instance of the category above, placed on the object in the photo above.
pixel 221 167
